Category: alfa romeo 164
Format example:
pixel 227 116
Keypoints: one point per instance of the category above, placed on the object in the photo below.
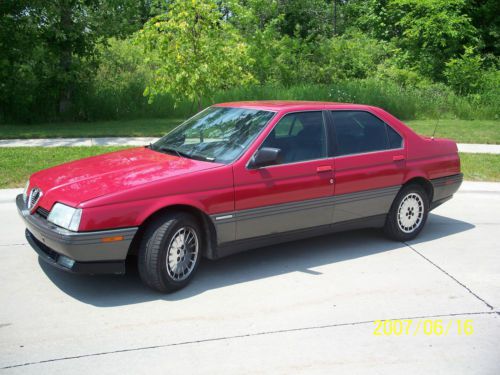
pixel 237 176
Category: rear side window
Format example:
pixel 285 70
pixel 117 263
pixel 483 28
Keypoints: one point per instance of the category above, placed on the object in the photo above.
pixel 395 140
pixel 358 132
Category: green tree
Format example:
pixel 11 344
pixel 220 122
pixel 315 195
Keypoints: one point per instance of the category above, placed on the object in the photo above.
pixel 464 74
pixel 485 16
pixel 48 50
pixel 432 31
pixel 310 18
pixel 428 32
pixel 74 28
pixel 294 18
pixel 195 51
pixel 22 66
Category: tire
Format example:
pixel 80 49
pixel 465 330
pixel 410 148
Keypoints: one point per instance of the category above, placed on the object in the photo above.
pixel 408 213
pixel 170 252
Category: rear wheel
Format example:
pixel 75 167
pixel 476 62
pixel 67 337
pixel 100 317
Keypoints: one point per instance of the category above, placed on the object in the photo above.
pixel 408 213
pixel 170 252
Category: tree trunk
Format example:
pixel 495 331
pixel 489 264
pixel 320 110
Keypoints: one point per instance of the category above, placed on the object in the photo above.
pixel 65 58
pixel 199 103
pixel 334 17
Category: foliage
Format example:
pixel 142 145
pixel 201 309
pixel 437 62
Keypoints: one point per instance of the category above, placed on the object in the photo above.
pixel 464 73
pixel 94 59
pixel 48 51
pixel 429 101
pixel 427 32
pixel 484 16
pixel 295 18
pixel 306 18
pixel 350 56
pixel 194 52
pixel 119 82
pixel 432 31
pixel 289 60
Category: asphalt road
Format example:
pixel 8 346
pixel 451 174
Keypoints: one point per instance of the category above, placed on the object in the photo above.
pixel 302 307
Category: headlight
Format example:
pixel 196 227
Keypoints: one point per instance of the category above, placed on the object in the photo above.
pixel 65 216
pixel 25 192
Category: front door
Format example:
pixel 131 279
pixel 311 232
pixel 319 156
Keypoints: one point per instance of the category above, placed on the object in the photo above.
pixel 294 194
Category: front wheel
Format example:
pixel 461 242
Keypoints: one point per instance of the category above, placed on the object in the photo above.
pixel 408 213
pixel 170 252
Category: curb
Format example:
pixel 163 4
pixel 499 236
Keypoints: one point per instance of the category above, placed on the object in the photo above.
pixel 9 195
pixel 142 141
pixel 479 187
pixel 478 148
pixel 77 142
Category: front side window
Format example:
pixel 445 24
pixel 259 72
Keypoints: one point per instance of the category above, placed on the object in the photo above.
pixel 300 137
pixel 218 134
pixel 359 132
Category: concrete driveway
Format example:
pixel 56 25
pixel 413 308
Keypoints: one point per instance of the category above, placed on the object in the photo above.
pixel 302 307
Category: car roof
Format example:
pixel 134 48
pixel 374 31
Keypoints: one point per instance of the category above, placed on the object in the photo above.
pixel 288 105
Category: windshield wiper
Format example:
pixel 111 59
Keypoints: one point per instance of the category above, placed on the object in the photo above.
pixel 201 157
pixel 171 150
pixel 182 154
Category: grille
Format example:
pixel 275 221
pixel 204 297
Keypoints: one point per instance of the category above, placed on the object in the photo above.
pixel 34 197
pixel 42 212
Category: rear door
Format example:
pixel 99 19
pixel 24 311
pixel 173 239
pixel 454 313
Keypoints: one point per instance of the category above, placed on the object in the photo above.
pixel 370 163
pixel 292 195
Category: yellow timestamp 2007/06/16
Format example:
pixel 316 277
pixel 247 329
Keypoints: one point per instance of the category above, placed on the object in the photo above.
pixel 435 327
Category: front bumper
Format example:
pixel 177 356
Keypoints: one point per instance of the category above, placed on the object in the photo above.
pixel 78 252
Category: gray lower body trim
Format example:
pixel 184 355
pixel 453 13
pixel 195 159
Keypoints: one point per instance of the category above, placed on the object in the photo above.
pixel 283 218
pixel 444 188
pixel 363 204
pixel 79 246
pixel 84 268
pixel 234 247
pixel 305 216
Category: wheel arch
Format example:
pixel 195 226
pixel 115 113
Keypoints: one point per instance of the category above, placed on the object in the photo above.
pixel 206 225
pixel 424 183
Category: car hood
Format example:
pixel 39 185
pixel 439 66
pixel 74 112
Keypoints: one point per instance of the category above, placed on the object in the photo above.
pixel 82 180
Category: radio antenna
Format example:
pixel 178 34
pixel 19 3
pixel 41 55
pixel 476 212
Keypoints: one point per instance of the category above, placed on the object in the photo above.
pixel 435 127
pixel 441 108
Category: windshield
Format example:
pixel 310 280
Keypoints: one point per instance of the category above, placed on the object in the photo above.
pixel 218 134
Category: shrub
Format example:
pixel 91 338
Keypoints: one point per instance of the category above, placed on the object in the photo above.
pixel 351 56
pixel 464 74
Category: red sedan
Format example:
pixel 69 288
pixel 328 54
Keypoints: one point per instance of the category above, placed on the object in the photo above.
pixel 234 177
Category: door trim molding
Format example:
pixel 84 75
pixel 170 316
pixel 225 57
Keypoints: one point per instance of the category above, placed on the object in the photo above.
pixel 238 246
pixel 221 220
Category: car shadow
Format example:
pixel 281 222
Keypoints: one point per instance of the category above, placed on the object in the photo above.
pixel 302 256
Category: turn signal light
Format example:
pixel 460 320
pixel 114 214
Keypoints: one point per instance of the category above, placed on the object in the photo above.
pixel 112 239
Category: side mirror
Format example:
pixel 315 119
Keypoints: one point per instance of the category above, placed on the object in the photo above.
pixel 266 156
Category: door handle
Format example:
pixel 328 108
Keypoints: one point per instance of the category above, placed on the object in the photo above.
pixel 324 168
pixel 398 157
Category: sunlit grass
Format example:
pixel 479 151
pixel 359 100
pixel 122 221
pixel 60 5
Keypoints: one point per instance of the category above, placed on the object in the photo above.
pixel 17 164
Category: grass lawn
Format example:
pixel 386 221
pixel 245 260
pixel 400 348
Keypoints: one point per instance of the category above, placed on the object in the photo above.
pixel 126 128
pixel 17 164
pixel 462 131
pixel 480 131
pixel 480 167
